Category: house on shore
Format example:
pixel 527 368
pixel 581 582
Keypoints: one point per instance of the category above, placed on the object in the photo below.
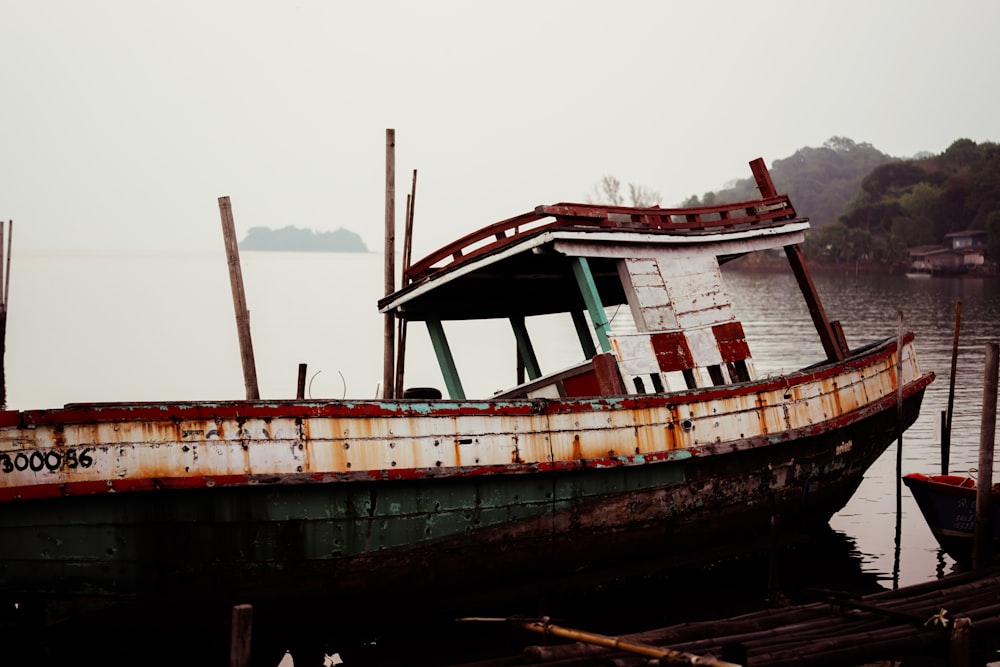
pixel 964 253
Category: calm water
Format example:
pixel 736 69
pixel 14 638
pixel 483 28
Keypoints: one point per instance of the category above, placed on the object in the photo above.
pixel 158 327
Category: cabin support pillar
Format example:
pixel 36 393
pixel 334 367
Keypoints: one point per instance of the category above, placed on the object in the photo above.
pixel 588 289
pixel 524 347
pixel 445 360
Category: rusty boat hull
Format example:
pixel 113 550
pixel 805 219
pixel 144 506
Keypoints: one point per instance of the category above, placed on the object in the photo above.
pixel 661 442
pixel 582 483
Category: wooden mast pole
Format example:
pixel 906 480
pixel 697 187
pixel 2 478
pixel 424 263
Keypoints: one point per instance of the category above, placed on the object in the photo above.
pixel 827 335
pixel 389 334
pixel 239 299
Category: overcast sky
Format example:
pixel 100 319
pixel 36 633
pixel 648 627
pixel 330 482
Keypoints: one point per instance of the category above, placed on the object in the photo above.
pixel 122 122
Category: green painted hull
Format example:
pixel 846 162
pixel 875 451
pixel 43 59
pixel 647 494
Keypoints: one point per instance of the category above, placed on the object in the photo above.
pixel 408 535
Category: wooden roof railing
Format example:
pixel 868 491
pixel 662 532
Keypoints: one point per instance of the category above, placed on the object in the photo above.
pixel 566 215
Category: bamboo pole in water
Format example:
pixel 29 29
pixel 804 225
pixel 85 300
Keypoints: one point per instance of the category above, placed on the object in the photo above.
pixel 946 430
pixel 300 387
pixel 239 299
pixel 983 535
pixel 616 643
pixel 4 294
pixel 411 201
pixel 389 333
pixel 899 451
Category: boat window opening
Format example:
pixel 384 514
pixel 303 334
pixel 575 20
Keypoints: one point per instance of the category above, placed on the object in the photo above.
pixel 640 387
pixel 738 371
pixel 674 381
pixel 715 373
pixel 545 340
pixel 657 383
pixel 689 378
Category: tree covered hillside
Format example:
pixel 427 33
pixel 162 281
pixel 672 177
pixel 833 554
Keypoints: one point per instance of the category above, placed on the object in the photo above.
pixel 915 202
pixel 820 181
pixel 868 207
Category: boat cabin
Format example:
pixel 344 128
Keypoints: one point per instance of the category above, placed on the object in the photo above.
pixel 590 260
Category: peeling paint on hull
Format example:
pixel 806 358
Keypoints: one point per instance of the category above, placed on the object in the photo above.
pixel 317 504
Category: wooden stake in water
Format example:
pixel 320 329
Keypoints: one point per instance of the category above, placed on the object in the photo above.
pixel 946 427
pixel 983 536
pixel 239 299
pixel 4 293
pixel 389 330
pixel 241 635
pixel 899 450
pixel 411 202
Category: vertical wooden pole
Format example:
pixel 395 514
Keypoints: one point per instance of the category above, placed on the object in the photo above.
pixel 389 336
pixel 408 234
pixel 411 201
pixel 946 427
pixel 300 387
pixel 240 636
pixel 4 293
pixel 899 451
pixel 239 299
pixel 983 536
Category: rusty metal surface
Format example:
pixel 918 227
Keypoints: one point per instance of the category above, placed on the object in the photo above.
pixel 93 449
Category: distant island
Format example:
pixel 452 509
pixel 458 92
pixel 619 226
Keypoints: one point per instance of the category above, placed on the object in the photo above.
pixel 294 239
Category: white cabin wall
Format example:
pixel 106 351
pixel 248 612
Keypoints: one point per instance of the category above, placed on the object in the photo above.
pixel 673 292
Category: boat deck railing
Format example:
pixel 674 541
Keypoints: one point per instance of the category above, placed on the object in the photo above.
pixel 566 215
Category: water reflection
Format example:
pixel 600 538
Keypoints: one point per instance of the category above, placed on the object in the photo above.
pixel 867 307
pixel 638 596
pixel 177 341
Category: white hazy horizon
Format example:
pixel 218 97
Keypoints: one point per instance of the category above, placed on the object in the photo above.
pixel 122 123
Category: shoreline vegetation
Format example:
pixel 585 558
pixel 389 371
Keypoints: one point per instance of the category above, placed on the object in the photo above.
pixel 873 212
pixel 820 265
pixel 296 239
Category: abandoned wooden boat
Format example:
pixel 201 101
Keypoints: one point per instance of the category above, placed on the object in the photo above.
pixel 662 441
pixel 948 505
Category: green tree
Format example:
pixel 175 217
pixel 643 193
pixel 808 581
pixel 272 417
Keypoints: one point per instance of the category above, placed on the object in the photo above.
pixel 892 177
pixel 993 236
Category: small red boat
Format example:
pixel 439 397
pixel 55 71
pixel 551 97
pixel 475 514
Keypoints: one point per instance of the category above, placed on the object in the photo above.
pixel 948 503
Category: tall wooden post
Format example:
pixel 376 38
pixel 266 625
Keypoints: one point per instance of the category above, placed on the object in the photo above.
pixel 899 451
pixel 300 387
pixel 983 535
pixel 946 426
pixel 389 352
pixel 239 299
pixel 4 293
pixel 411 202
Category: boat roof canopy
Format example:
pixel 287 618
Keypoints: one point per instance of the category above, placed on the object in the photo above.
pixel 524 266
